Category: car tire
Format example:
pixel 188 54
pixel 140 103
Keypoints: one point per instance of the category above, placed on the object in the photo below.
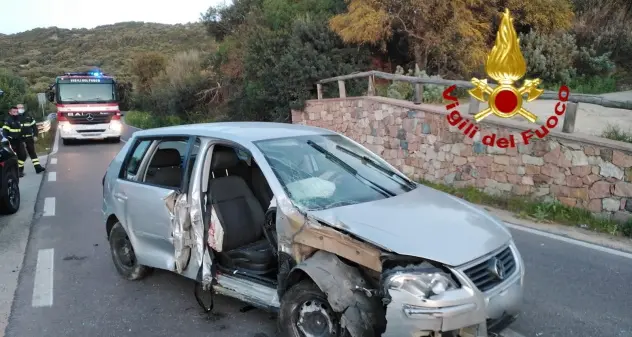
pixel 123 255
pixel 305 302
pixel 115 140
pixel 10 202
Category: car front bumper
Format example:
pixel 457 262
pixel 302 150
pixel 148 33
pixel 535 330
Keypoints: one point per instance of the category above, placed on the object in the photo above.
pixel 90 131
pixel 466 311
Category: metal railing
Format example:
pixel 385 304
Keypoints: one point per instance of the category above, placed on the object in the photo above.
pixel 45 126
pixel 474 105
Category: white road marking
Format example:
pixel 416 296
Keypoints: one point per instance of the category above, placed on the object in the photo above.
pixel 43 283
pixel 571 241
pixel 49 206
pixel 124 140
pixel 510 333
pixel 52 176
pixel 56 143
pixel 53 161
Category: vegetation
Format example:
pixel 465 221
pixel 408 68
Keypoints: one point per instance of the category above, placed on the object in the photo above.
pixel 44 142
pixel 41 54
pixel 614 132
pixel 542 211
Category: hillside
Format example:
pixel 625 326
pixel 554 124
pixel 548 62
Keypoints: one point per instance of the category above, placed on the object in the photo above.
pixel 43 53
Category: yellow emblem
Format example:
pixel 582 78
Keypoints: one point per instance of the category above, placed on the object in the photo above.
pixel 506 65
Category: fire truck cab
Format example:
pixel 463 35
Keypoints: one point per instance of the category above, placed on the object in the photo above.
pixel 87 106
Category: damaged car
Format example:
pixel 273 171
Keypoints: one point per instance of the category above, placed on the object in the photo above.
pixel 308 223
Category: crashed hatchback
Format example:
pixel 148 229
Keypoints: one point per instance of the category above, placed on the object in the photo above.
pixel 307 222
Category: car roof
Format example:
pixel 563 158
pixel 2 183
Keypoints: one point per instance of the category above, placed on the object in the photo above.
pixel 238 132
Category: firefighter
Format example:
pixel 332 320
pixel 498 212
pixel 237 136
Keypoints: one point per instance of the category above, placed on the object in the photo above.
pixel 12 130
pixel 29 136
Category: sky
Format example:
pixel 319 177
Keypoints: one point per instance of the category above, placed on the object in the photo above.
pixel 22 15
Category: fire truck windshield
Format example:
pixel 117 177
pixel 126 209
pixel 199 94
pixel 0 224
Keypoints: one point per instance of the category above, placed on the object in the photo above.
pixel 86 92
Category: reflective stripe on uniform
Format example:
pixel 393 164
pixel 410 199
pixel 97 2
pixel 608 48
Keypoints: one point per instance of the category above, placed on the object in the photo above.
pixel 35 161
pixel 6 127
pixel 20 163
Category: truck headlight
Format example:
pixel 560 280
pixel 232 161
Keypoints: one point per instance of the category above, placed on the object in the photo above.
pixel 65 126
pixel 422 284
pixel 116 126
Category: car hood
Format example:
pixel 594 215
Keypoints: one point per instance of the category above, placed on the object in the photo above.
pixel 425 223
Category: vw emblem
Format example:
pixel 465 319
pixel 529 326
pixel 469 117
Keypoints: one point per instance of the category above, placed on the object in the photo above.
pixel 89 117
pixel 497 268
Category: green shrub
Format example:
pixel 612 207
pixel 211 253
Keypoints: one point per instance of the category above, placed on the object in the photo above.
pixel 178 90
pixel 614 132
pixel 146 120
pixel 549 57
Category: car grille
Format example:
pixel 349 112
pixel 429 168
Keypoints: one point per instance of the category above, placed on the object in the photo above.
pixel 97 118
pixel 483 274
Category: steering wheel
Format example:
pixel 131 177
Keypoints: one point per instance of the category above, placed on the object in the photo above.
pixel 269 229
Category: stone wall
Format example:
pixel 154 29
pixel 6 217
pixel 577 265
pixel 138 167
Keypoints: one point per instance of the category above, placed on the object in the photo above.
pixel 578 170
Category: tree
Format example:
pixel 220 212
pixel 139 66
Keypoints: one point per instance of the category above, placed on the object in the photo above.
pixel 443 27
pixel 281 68
pixel 146 66
pixel 223 20
pixel 15 90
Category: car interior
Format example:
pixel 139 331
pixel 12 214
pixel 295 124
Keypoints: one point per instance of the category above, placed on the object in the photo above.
pixel 167 163
pixel 240 195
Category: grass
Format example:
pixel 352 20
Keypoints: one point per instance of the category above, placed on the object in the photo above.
pixel 45 141
pixel 552 212
pixel 145 120
pixel 614 132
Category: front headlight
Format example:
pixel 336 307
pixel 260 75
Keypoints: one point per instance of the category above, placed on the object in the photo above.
pixel 422 284
pixel 116 126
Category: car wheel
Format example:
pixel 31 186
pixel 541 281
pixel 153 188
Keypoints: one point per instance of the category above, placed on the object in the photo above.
pixel 305 311
pixel 10 202
pixel 115 140
pixel 123 255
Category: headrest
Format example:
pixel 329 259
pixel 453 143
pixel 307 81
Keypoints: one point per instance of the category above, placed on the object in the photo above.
pixel 166 158
pixel 224 159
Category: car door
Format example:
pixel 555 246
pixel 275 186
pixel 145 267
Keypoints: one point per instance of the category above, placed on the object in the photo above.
pixel 149 193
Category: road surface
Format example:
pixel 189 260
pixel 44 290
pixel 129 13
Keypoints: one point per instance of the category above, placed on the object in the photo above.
pixel 69 287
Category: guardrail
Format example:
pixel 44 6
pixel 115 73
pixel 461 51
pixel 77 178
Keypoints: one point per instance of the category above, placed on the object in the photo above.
pixel 474 105
pixel 45 126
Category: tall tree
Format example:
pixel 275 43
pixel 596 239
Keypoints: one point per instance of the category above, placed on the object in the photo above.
pixel 443 27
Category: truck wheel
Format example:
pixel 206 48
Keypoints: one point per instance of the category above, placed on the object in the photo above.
pixel 123 255
pixel 305 311
pixel 65 141
pixel 115 140
pixel 10 202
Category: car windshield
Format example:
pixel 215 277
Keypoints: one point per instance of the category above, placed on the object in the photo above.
pixel 86 92
pixel 326 171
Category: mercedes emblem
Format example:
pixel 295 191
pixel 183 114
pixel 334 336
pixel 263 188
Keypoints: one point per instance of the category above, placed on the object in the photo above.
pixel 89 117
pixel 497 268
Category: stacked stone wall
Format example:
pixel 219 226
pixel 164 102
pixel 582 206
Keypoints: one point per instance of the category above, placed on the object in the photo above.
pixel 578 170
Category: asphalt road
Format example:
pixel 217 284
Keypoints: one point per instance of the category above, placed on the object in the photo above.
pixel 571 290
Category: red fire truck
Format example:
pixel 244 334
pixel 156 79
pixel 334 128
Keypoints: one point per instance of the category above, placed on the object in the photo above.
pixel 87 106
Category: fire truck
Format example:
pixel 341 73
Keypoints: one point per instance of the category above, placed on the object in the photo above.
pixel 87 106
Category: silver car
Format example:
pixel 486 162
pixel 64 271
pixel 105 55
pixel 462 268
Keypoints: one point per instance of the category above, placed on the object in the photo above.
pixel 307 222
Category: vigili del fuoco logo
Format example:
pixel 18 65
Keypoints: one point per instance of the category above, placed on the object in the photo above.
pixel 506 65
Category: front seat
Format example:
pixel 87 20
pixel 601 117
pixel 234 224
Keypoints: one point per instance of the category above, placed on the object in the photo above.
pixel 244 246
pixel 165 168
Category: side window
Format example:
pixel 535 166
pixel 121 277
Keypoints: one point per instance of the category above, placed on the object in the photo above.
pixel 133 164
pixel 167 164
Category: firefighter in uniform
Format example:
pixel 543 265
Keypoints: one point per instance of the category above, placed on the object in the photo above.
pixel 29 136
pixel 12 130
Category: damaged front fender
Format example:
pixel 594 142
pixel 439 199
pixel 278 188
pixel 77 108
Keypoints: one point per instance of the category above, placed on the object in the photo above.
pixel 346 291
